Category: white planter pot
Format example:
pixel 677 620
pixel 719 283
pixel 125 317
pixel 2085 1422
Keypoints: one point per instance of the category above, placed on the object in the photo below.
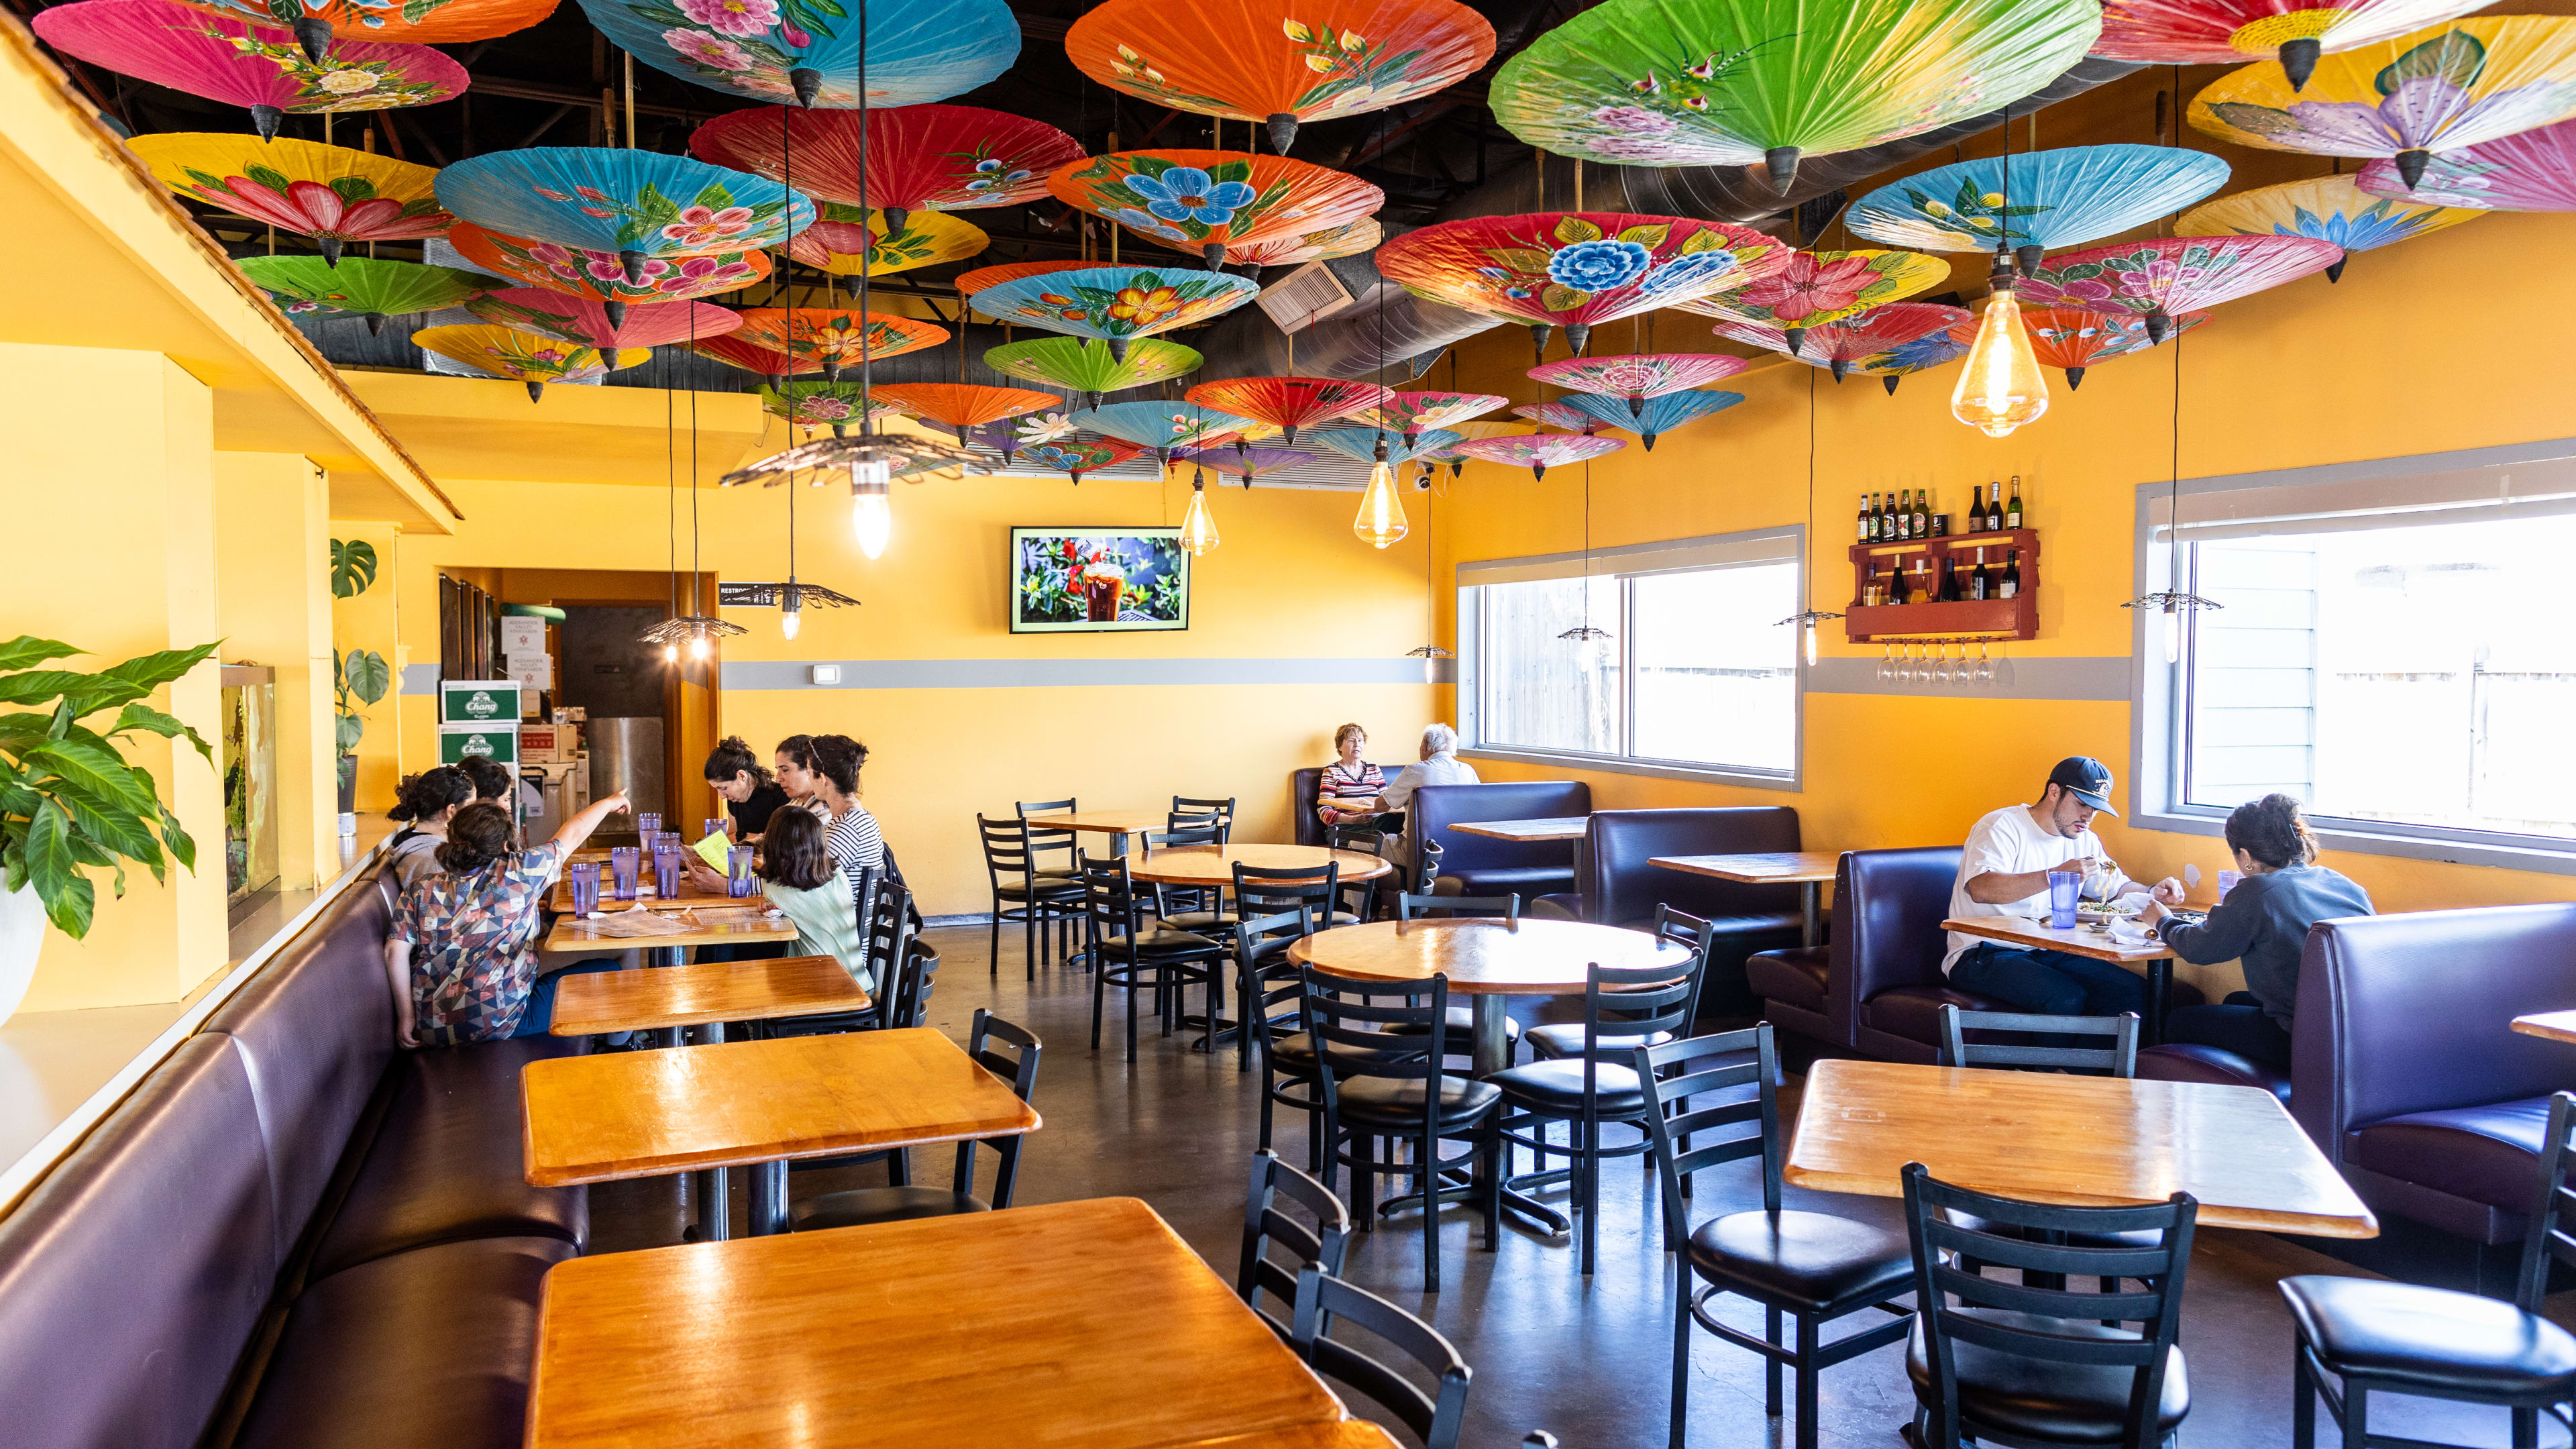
pixel 22 936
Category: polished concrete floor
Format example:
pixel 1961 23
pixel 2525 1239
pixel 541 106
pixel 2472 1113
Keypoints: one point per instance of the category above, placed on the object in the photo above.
pixel 1587 1360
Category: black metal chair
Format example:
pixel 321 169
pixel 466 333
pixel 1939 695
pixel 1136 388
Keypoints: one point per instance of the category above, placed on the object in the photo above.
pixel 2022 1364
pixel 1271 994
pixel 2372 1336
pixel 1191 908
pixel 885 929
pixel 1410 905
pixel 2119 1058
pixel 1043 844
pixel 1565 1038
pixel 904 1203
pixel 1326 1303
pixel 1365 838
pixel 1813 1267
pixel 1279 888
pixel 1632 1005
pixel 1130 951
pixel 1370 1092
pixel 1020 892
pixel 1265 1224
pixel 1220 813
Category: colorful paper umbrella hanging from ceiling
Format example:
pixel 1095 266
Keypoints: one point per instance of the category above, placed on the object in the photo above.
pixel 243 63
pixel 2528 171
pixel 1289 403
pixel 446 22
pixel 1245 463
pixel 2066 338
pixel 841 244
pixel 1654 416
pixel 1163 426
pixel 2228 32
pixel 1577 270
pixel 765 362
pixel 960 406
pixel 1820 287
pixel 600 276
pixel 1539 452
pixel 1280 61
pixel 837 337
pixel 362 286
pixel 637 206
pixel 1850 344
pixel 2060 198
pixel 536 361
pixel 1007 437
pixel 1361 443
pixel 332 194
pixel 584 320
pixel 2409 100
pixel 983 278
pixel 1636 377
pixel 1208 202
pixel 1081 367
pixel 820 404
pixel 1291 251
pixel 1559 415
pixel 1077 457
pixel 2327 208
pixel 1115 304
pixel 2157 279
pixel 808 50
pixel 919 158
pixel 1763 83
pixel 1410 413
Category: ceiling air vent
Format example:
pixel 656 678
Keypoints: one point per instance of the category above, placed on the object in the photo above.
pixel 1308 294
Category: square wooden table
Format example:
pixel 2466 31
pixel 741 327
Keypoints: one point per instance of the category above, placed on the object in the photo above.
pixel 756 1103
pixel 1527 832
pixel 710 993
pixel 559 897
pixel 1809 869
pixel 1346 1434
pixel 2082 1141
pixel 2551 1025
pixel 737 923
pixel 1068 1324
pixel 2082 940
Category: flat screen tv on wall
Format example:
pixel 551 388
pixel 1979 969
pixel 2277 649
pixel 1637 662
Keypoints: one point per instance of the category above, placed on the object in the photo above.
pixel 1098 580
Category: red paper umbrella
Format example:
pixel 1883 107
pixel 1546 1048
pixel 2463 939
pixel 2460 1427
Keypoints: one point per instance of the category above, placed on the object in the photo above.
pixel 836 337
pixel 1268 60
pixel 2160 278
pixel 582 320
pixel 2231 32
pixel 920 158
pixel 962 405
pixel 1290 251
pixel 1558 415
pixel 1639 376
pixel 1540 451
pixel 1077 457
pixel 231 59
pixel 1210 202
pixel 2064 337
pixel 600 276
pixel 1574 270
pixel 1289 403
pixel 735 350
pixel 1415 413
pixel 1839 347
pixel 969 283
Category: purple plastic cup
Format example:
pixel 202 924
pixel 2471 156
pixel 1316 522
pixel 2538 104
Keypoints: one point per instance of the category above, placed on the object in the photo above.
pixel 739 881
pixel 2064 888
pixel 714 826
pixel 669 840
pixel 584 876
pixel 623 863
pixel 648 826
pixel 667 867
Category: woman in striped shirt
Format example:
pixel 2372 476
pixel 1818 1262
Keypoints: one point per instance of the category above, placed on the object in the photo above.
pixel 1350 779
pixel 850 833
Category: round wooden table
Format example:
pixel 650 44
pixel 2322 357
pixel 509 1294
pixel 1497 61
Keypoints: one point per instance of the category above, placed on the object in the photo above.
pixel 1213 865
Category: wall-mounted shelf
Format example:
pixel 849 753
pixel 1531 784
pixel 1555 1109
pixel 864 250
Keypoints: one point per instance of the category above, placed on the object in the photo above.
pixel 2013 618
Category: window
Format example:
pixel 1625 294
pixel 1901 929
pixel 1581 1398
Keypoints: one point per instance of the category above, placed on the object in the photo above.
pixel 1696 672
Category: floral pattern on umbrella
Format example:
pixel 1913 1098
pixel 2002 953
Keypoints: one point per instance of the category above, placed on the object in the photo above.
pixel 1077 456
pixel 1361 443
pixel 1081 366
pixel 1030 431
pixel 240 62
pixel 1289 403
pixel 1559 415
pixel 845 241
pixel 600 276
pixel 1247 463
pixel 2229 32
pixel 1868 340
pixel 504 352
pixel 808 50
pixel 1656 415
pixel 1166 425
pixel 1640 375
pixel 971 282
pixel 2060 198
pixel 733 350
pixel 362 285
pixel 821 404
pixel 837 337
pixel 2328 208
pixel 2433 91
pixel 2158 279
pixel 333 194
pixel 637 204
pixel 960 406
pixel 1539 452
pixel 585 320
pixel 919 158
pixel 2063 337
pixel 2531 170
pixel 1410 413
pixel 1207 202
pixel 416 22
pixel 1562 268
pixel 1290 251
pixel 1116 303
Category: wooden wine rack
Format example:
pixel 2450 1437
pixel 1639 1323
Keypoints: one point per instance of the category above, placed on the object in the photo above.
pixel 2013 618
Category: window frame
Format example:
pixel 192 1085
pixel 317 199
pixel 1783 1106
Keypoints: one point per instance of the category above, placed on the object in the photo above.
pixel 2160 722
pixel 1786 543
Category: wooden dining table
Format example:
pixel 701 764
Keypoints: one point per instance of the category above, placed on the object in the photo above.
pixel 1071 1325
pixel 1116 824
pixel 2082 939
pixel 708 994
pixel 1209 866
pixel 2548 1025
pixel 2081 1141
pixel 735 923
pixel 1527 832
pixel 1807 869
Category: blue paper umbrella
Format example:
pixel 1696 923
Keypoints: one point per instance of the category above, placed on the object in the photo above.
pixel 1117 303
pixel 808 50
pixel 1657 415
pixel 1243 463
pixel 1361 443
pixel 2061 198
pixel 1163 426
pixel 635 205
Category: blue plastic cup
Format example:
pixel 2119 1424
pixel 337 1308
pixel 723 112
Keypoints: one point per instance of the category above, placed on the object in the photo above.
pixel 739 881
pixel 623 863
pixel 584 876
pixel 648 826
pixel 667 867
pixel 714 826
pixel 2065 887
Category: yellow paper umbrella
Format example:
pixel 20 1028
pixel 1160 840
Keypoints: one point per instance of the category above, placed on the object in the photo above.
pixel 330 193
pixel 840 244
pixel 2328 208
pixel 524 356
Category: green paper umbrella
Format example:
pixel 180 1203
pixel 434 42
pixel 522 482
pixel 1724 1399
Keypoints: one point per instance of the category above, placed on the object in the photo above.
pixel 1745 82
pixel 1082 365
pixel 363 286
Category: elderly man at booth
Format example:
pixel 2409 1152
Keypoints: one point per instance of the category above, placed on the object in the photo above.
pixel 1439 765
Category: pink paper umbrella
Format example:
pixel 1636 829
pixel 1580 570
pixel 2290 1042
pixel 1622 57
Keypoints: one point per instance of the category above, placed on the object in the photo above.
pixel 243 63
pixel 2159 278
pixel 1636 377
pixel 2531 170
pixel 1558 415
pixel 582 320
pixel 1540 451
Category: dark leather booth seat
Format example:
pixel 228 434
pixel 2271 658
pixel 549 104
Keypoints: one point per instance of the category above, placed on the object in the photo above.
pixel 2407 1072
pixel 2192 1062
pixel 1618 888
pixel 290 1233
pixel 1887 948
pixel 1484 866
pixel 1303 796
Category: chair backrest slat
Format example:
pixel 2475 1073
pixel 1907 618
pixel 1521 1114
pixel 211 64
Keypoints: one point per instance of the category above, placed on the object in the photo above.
pixel 1349 1021
pixel 1326 1303
pixel 2119 1057
pixel 1409 904
pixel 1018 1067
pixel 1269 888
pixel 1275 1184
pixel 2552 1231
pixel 1729 1062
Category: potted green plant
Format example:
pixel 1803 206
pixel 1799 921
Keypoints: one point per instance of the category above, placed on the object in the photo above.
pixel 69 802
pixel 359 677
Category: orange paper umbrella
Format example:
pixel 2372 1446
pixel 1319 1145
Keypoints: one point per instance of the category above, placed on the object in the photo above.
pixel 1290 251
pixel 2064 337
pixel 969 283
pixel 1289 403
pixel 1576 270
pixel 836 337
pixel 1210 202
pixel 600 276
pixel 918 158
pixel 1274 61
pixel 962 405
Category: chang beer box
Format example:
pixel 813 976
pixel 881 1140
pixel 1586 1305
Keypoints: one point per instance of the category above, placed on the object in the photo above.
pixel 469 702
pixel 455 746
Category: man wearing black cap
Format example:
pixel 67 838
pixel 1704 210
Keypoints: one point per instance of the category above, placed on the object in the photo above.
pixel 2003 871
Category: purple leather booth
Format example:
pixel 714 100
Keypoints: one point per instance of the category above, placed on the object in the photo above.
pixel 1484 866
pixel 290 1234
pixel 2406 1070
pixel 1618 887
pixel 1303 786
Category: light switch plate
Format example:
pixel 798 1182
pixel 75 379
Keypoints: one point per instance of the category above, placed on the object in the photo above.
pixel 823 674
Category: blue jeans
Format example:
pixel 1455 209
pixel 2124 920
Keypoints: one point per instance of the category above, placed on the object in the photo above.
pixel 2053 983
pixel 540 1014
pixel 2239 1024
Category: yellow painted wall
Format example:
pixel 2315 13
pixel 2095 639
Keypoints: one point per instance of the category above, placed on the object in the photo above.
pixel 273 573
pixel 372 620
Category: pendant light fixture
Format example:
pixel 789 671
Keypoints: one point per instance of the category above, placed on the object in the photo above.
pixel 1584 633
pixel 1198 526
pixel 2002 387
pixel 2174 601
pixel 692 631
pixel 1380 521
pixel 1430 654
pixel 1807 619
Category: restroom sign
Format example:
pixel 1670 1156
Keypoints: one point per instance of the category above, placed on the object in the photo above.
pixel 478 701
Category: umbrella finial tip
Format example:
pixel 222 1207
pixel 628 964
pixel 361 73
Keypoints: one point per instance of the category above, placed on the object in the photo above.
pixel 1781 163
pixel 1283 131
pixel 2299 60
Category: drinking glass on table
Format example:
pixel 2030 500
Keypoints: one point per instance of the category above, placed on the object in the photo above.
pixel 623 863
pixel 648 825
pixel 714 826
pixel 2065 887
pixel 667 867
pixel 584 876
pixel 739 881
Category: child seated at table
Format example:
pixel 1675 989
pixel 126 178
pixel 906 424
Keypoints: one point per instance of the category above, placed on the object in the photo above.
pixel 800 878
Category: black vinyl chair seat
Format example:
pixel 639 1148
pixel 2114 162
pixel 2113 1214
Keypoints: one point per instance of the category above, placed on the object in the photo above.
pixel 883 1205
pixel 1202 921
pixel 1397 1102
pixel 2053 1402
pixel 1565 1039
pixel 2430 1340
pixel 1556 1088
pixel 1808 1262
pixel 1154 938
pixel 1462 1024
pixel 1070 890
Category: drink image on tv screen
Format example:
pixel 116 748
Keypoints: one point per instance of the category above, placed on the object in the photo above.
pixel 1098 579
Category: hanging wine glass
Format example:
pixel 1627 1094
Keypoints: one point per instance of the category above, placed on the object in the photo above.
pixel 1985 664
pixel 1886 661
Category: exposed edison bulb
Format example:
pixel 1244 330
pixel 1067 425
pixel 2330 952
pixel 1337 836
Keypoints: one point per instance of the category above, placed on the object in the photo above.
pixel 1381 518
pixel 872 518
pixel 1811 641
pixel 1198 526
pixel 789 621
pixel 670 653
pixel 2001 388
pixel 698 647
pixel 2173 636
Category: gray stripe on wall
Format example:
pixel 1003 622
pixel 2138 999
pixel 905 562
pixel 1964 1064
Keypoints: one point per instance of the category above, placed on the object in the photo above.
pixel 420 679
pixel 2103 677
pixel 1067 673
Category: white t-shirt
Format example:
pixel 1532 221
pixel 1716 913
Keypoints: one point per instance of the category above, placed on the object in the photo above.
pixel 2011 841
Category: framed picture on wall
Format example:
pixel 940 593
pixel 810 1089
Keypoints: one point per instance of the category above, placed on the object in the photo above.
pixel 1098 580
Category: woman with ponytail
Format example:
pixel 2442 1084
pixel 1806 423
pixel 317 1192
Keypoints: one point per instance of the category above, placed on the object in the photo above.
pixel 750 795
pixel 429 800
pixel 2263 922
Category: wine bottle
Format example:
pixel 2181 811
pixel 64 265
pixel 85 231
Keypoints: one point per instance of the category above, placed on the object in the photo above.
pixel 1922 513
pixel 1864 518
pixel 1977 577
pixel 1976 520
pixel 1949 593
pixel 1896 583
pixel 2012 576
pixel 1994 507
pixel 2012 511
